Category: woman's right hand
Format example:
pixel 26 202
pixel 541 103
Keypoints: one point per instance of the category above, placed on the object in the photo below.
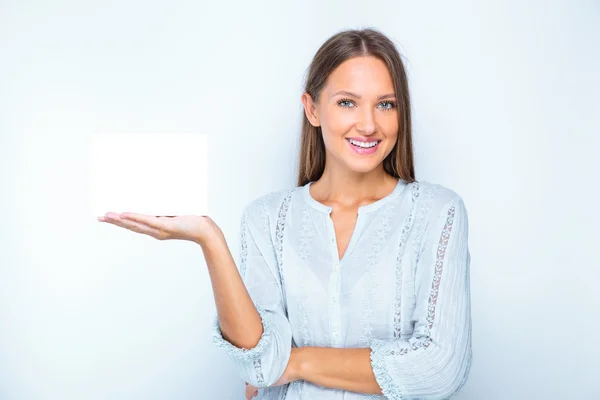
pixel 194 228
pixel 251 391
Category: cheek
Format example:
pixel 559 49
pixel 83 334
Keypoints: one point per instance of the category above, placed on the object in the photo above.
pixel 389 124
pixel 390 129
pixel 337 123
pixel 332 141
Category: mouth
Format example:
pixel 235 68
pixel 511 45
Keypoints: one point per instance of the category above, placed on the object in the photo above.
pixel 361 147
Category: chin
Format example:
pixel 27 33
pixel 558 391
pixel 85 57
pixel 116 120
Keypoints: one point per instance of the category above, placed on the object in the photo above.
pixel 362 167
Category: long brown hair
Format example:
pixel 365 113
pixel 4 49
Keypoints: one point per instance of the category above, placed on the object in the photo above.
pixel 337 49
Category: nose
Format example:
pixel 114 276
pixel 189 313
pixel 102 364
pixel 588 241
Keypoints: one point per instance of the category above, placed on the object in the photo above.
pixel 366 123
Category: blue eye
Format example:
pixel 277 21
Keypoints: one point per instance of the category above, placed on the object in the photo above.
pixel 344 101
pixel 392 104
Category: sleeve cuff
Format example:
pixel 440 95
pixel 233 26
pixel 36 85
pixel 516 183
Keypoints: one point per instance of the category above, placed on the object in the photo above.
pixel 240 353
pixel 389 388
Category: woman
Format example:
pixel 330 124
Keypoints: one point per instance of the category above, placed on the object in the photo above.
pixel 354 284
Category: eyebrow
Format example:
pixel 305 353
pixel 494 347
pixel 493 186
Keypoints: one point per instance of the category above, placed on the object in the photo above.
pixel 347 93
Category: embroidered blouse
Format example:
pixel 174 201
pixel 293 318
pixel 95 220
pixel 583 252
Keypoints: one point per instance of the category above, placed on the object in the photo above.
pixel 401 289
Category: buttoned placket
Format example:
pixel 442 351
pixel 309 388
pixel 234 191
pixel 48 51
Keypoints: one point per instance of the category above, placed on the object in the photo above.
pixel 334 289
pixel 334 286
pixel 335 281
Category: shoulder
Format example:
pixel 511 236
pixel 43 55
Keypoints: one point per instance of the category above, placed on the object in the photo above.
pixel 263 210
pixel 436 199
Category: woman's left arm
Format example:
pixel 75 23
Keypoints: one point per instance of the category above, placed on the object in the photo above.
pixel 340 368
pixel 435 361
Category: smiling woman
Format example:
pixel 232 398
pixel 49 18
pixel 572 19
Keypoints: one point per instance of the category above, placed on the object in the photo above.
pixel 355 283
pixel 360 274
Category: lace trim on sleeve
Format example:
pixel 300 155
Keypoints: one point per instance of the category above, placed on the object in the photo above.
pixel 420 223
pixel 403 238
pixel 243 246
pixel 260 379
pixel 240 353
pixel 306 237
pixel 388 387
pixel 279 244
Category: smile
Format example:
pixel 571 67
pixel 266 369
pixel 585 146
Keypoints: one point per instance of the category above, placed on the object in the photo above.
pixel 361 147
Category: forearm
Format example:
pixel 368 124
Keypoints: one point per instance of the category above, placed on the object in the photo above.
pixel 341 368
pixel 239 320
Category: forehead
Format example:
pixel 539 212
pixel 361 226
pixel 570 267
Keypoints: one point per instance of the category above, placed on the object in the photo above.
pixel 362 75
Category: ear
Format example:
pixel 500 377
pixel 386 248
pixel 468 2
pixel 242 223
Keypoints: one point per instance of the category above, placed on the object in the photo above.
pixel 310 109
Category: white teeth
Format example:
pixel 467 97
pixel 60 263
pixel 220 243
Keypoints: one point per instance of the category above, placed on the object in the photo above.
pixel 365 145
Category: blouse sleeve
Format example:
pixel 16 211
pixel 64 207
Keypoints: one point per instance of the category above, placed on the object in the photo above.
pixel 435 361
pixel 264 364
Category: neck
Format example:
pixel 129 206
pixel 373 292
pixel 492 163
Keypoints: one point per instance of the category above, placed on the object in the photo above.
pixel 345 188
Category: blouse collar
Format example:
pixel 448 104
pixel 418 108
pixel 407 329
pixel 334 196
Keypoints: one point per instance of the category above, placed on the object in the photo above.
pixel 361 209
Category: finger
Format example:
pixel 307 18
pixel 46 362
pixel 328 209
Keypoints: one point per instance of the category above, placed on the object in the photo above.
pixel 250 391
pixel 135 227
pixel 148 220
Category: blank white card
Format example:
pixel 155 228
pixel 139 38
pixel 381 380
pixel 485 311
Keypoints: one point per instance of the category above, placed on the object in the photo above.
pixel 152 174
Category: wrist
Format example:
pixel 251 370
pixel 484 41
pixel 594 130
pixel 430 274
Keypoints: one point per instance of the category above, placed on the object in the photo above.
pixel 210 235
pixel 298 363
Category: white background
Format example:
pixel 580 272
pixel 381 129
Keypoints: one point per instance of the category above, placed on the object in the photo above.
pixel 506 112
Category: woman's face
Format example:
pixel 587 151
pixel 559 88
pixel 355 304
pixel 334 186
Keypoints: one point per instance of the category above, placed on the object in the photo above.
pixel 357 110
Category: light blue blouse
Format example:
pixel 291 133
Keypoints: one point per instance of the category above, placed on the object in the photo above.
pixel 400 289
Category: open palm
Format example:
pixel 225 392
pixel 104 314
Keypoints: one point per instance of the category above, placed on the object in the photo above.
pixel 185 227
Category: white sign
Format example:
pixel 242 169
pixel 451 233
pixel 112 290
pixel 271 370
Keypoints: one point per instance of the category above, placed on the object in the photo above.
pixel 152 174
